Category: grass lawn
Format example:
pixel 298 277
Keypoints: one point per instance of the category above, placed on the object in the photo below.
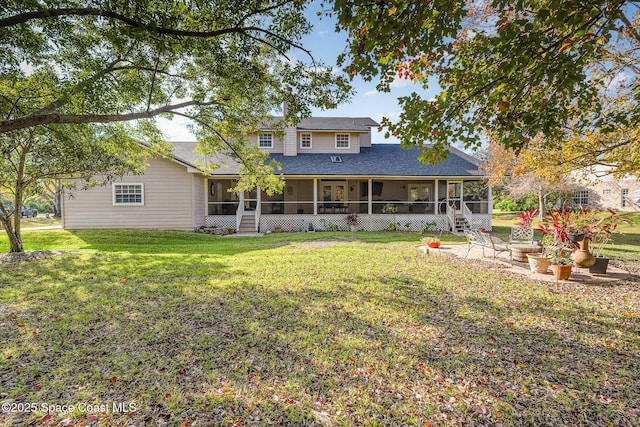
pixel 327 329
pixel 39 221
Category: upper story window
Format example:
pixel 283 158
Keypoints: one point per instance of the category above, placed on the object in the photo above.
pixel 606 192
pixel 581 198
pixel 625 194
pixel 128 194
pixel 265 140
pixel 305 140
pixel 343 140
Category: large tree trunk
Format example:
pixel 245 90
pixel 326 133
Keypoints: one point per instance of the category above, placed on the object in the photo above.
pixel 15 240
pixel 57 205
pixel 541 206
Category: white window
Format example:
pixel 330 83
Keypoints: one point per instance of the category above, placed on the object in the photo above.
pixel 305 140
pixel 606 192
pixel 581 198
pixel 128 194
pixel 342 140
pixel 265 140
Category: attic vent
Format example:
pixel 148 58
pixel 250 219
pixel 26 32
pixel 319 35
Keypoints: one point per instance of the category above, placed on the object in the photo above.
pixel 336 159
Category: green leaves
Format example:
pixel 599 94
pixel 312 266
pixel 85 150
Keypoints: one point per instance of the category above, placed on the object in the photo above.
pixel 225 64
pixel 515 69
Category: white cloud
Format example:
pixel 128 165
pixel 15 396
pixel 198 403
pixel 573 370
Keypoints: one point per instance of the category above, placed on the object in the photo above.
pixel 619 80
pixel 371 92
pixel 175 129
pixel 399 82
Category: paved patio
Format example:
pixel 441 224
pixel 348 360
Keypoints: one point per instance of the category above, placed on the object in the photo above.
pixel 578 275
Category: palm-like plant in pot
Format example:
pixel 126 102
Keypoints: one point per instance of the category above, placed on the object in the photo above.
pixel 601 236
pixel 561 264
pixel 352 220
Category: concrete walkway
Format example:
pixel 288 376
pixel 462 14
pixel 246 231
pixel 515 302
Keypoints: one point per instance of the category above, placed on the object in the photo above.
pixel 578 275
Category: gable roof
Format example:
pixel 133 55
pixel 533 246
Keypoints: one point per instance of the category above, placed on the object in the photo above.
pixel 329 124
pixel 377 160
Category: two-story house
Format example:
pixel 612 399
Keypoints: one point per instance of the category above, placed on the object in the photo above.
pixel 331 169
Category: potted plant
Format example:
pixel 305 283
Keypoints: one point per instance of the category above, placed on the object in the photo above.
pixel 601 235
pixel 539 262
pixel 525 219
pixel 352 220
pixel 431 241
pixel 561 264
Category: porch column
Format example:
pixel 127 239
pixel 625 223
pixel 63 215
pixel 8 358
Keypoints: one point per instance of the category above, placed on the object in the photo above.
pixel 370 196
pixel 315 196
pixel 490 201
pixel 436 210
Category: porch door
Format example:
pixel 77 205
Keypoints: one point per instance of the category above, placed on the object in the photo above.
pixel 250 200
pixel 454 195
pixel 334 191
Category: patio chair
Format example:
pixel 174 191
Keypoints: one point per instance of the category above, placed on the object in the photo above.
pixel 521 235
pixel 485 240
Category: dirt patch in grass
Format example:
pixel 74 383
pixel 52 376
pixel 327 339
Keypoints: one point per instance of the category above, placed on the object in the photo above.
pixel 319 244
pixel 29 256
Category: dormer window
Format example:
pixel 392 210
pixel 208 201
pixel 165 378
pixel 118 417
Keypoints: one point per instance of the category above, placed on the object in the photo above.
pixel 305 140
pixel 265 140
pixel 343 140
pixel 336 159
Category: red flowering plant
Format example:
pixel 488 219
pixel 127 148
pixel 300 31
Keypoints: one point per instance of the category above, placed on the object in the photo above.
pixel 553 230
pixel 567 228
pixel 525 219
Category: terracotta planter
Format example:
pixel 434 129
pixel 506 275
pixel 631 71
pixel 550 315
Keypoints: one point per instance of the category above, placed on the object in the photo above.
pixel 538 263
pixel 230 230
pixel 582 257
pixel 600 266
pixel 277 229
pixel 561 272
pixel 433 245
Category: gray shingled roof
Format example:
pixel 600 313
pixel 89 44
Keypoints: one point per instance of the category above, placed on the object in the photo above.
pixel 377 160
pixel 326 124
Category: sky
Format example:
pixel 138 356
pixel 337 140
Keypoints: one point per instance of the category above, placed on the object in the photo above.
pixel 325 45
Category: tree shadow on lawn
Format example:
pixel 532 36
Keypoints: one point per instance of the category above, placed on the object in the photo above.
pixel 400 346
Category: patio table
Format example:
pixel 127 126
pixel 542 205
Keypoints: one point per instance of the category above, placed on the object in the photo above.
pixel 519 251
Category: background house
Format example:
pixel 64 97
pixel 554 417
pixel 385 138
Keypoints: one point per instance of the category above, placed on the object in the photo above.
pixel 331 169
pixel 622 195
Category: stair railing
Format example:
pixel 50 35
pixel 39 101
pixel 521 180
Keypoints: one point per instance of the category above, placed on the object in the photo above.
pixel 466 213
pixel 451 215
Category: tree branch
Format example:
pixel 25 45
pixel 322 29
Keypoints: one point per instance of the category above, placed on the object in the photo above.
pixel 55 118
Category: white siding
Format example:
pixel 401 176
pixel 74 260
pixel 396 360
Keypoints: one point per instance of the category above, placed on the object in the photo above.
pixel 290 147
pixel 278 143
pixel 325 142
pixel 365 139
pixel 199 204
pixel 168 202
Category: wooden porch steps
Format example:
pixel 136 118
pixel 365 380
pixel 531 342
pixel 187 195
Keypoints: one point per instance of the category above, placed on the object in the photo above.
pixel 460 225
pixel 247 224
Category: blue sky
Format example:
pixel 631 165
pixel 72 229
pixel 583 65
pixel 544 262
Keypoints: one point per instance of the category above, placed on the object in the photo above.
pixel 325 45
